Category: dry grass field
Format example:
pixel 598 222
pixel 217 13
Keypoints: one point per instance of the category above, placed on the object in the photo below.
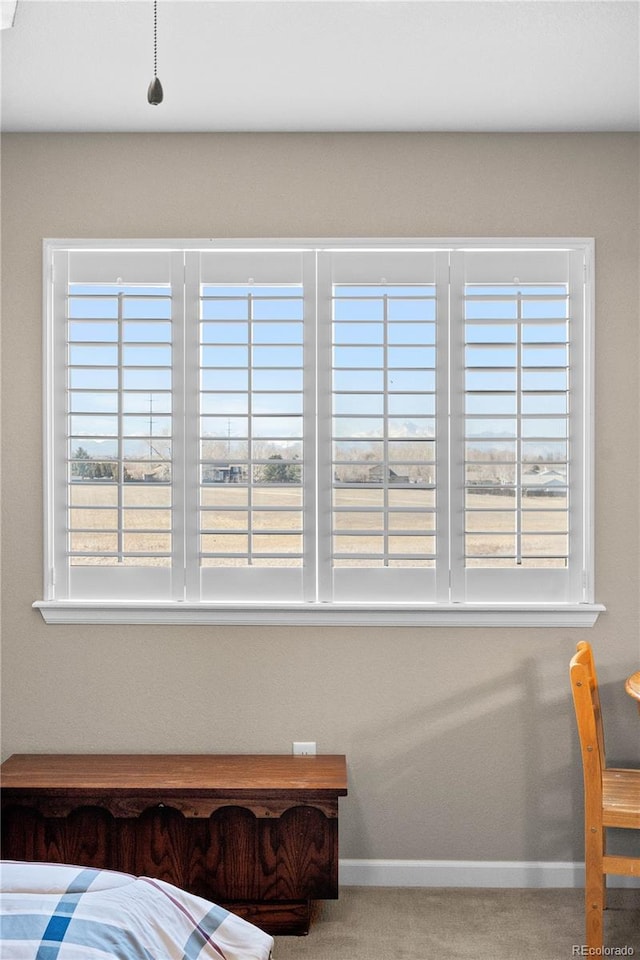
pixel 141 524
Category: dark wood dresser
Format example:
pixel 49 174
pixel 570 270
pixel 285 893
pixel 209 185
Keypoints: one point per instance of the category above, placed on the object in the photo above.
pixel 255 833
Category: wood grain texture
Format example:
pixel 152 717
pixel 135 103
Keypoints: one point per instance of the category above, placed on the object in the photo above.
pixel 306 866
pixel 632 685
pixel 215 773
pixel 239 863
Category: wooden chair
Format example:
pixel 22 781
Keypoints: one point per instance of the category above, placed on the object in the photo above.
pixel 611 796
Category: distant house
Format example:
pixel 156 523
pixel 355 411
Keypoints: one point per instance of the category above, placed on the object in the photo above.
pixel 377 475
pixel 160 474
pixel 221 474
pixel 545 483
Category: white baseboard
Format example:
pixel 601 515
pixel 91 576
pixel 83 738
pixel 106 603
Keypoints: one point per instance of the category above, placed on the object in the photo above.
pixel 468 873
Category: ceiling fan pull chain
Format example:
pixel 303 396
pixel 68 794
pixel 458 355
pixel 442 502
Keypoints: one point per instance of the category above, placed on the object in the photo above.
pixel 155 93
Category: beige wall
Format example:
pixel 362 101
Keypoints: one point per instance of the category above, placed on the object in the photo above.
pixel 460 742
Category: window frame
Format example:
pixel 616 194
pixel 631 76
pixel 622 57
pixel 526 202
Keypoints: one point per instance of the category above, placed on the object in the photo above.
pixel 440 611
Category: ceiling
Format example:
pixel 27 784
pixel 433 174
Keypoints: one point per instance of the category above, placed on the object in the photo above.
pixel 323 65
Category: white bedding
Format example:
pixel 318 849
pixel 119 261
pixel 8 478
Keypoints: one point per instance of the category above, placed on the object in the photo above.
pixel 59 912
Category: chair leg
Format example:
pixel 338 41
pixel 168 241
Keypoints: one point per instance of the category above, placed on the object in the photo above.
pixel 595 888
pixel 594 906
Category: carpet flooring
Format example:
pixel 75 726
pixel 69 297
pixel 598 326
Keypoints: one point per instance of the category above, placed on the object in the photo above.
pixel 409 923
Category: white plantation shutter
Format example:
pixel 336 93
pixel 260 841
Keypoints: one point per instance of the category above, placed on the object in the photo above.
pixel 518 425
pixel 113 353
pixel 256 446
pixel 385 372
pixel 318 425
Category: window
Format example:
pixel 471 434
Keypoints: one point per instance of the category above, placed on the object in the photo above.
pixel 390 430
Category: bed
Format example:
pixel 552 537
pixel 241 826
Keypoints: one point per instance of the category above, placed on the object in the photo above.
pixel 60 912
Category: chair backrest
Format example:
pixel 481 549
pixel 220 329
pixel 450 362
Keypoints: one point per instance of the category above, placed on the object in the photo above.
pixel 586 701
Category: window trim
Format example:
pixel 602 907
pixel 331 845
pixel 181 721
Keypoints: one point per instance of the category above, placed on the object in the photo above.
pixel 529 614
pixel 378 615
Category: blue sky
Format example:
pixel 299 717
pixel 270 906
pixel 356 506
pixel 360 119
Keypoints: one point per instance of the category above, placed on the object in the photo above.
pixel 381 344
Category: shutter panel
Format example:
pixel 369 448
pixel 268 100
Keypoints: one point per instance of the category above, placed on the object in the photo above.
pixel 114 471
pixel 517 436
pixel 255 454
pixel 387 315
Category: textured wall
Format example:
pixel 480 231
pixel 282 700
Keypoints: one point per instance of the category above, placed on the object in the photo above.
pixel 460 741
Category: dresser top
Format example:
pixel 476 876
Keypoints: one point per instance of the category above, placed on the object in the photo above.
pixel 257 772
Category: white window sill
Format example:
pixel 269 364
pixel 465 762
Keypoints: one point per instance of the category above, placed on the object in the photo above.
pixel 467 615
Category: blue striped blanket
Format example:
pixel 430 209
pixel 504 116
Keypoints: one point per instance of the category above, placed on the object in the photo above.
pixel 58 912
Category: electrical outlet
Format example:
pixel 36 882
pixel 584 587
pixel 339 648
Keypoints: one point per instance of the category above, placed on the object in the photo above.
pixel 304 748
